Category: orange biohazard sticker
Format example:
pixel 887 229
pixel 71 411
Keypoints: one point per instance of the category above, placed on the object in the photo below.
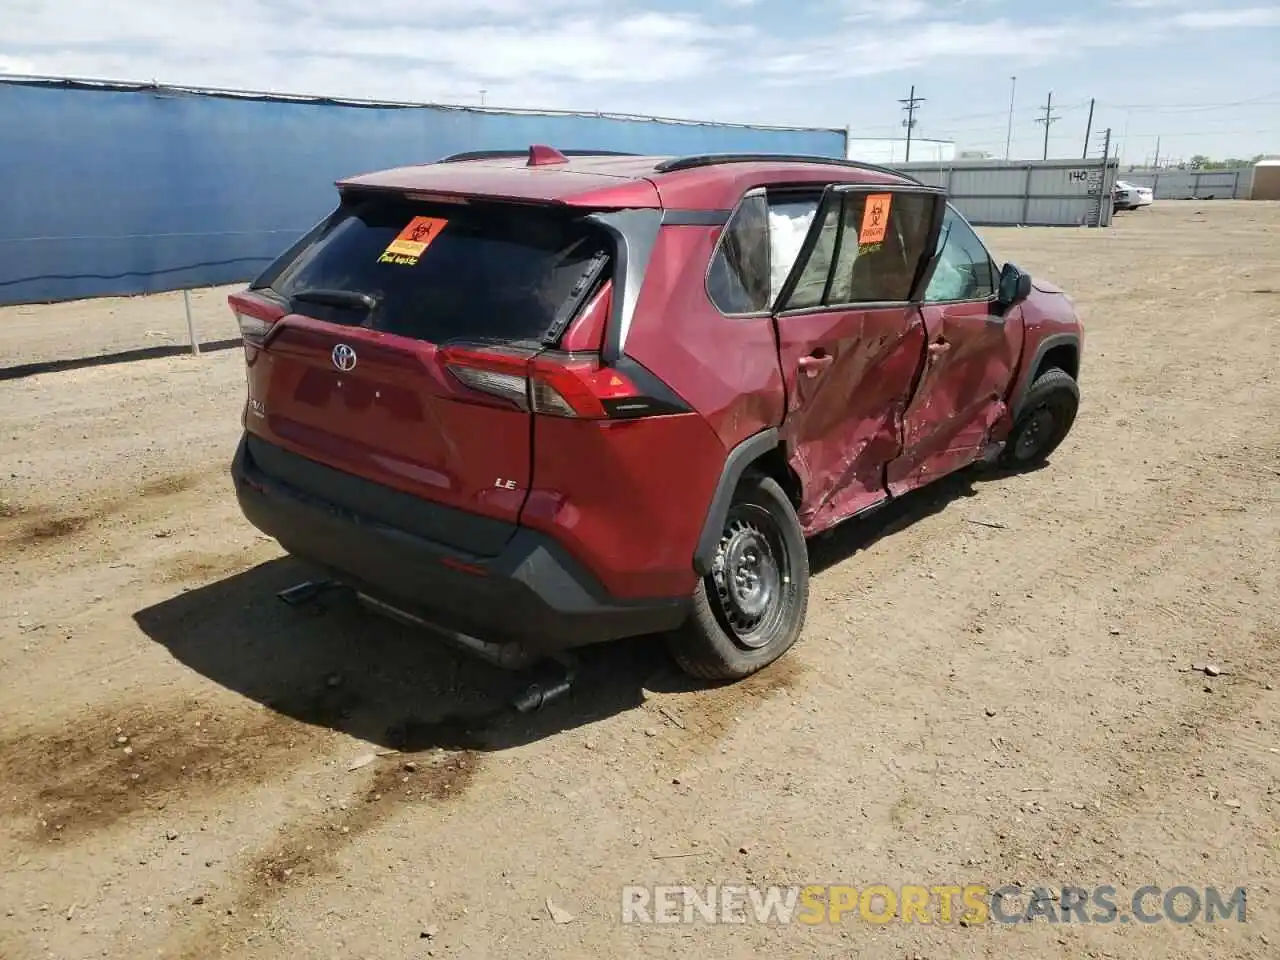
pixel 875 218
pixel 413 240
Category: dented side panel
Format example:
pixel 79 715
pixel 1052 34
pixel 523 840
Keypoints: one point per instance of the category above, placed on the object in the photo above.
pixel 724 368
pixel 959 405
pixel 843 420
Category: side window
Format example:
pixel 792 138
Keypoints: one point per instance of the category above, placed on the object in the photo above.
pixel 868 251
pixel 738 280
pixel 789 221
pixel 964 270
pixel 758 249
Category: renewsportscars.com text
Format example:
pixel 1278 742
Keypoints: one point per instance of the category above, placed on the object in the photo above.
pixel 963 904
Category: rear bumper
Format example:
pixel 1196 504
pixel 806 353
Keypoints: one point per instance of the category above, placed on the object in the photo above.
pixel 531 595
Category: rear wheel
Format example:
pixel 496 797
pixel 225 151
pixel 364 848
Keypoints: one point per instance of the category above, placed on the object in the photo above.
pixel 1046 418
pixel 750 608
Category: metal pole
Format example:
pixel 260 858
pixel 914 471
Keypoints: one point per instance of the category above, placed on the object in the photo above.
pixel 191 324
pixel 1088 129
pixel 1104 195
pixel 1026 195
pixel 1008 137
pixel 1156 163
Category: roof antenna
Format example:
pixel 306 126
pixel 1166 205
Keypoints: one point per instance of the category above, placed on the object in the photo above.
pixel 541 155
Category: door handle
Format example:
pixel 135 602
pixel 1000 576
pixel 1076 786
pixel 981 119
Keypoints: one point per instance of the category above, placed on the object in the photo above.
pixel 811 366
pixel 939 347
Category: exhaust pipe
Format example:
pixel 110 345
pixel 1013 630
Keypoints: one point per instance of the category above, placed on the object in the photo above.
pixel 539 695
pixel 508 656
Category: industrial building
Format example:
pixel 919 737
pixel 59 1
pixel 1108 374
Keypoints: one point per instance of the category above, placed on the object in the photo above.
pixel 891 150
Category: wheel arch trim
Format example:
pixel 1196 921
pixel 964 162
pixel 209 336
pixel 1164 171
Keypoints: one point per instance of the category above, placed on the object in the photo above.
pixel 1048 343
pixel 735 465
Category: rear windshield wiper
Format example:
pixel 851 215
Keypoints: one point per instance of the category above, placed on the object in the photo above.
pixel 337 298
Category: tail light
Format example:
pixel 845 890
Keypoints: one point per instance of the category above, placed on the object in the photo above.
pixel 253 329
pixel 255 316
pixel 562 384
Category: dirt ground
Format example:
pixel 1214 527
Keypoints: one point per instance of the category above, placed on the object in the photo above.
pixel 64 333
pixel 997 683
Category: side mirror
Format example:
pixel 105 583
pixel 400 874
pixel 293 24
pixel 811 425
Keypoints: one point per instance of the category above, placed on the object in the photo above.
pixel 1014 285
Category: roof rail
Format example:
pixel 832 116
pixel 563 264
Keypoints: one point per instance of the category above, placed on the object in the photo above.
pixel 712 159
pixel 513 154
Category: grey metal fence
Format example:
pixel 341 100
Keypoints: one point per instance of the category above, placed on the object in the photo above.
pixel 1025 193
pixel 1233 184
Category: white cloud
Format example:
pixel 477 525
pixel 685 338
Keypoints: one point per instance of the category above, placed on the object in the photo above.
pixel 933 42
pixel 377 48
pixel 569 54
pixel 16 65
pixel 928 42
pixel 1239 17
pixel 888 11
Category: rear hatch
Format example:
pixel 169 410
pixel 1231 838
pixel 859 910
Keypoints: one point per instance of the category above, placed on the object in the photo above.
pixel 371 366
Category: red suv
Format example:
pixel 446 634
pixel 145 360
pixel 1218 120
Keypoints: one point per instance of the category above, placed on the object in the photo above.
pixel 544 399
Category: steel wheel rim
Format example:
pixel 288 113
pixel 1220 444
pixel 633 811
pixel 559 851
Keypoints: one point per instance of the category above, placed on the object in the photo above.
pixel 751 576
pixel 1036 433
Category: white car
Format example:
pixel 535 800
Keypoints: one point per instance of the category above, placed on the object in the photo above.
pixel 1128 196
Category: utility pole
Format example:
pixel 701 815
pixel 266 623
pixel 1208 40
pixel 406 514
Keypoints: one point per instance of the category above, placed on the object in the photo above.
pixel 483 93
pixel 1008 137
pixel 909 105
pixel 1156 162
pixel 1088 129
pixel 1048 120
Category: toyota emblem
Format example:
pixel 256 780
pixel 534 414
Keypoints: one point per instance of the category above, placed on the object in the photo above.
pixel 344 357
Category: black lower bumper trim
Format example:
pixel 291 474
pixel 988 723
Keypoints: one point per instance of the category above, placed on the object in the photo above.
pixel 532 593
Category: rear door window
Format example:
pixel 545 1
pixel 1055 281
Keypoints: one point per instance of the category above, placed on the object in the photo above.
pixel 448 272
pixel 869 249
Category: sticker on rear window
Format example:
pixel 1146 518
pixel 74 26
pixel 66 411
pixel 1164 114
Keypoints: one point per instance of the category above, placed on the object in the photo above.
pixel 413 240
pixel 875 218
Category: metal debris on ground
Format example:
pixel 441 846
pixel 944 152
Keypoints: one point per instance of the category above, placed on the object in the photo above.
pixel 558 914
pixel 987 523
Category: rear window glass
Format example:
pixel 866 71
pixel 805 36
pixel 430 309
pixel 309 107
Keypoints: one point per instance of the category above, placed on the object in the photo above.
pixel 449 271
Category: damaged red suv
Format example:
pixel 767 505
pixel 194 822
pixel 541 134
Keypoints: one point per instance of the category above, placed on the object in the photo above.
pixel 543 399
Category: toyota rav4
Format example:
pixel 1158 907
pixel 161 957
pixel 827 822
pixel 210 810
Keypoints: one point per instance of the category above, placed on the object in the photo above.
pixel 541 399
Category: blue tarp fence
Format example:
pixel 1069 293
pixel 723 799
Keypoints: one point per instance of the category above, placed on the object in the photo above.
pixel 115 189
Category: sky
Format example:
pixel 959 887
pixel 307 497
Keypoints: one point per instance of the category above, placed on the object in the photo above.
pixel 1194 77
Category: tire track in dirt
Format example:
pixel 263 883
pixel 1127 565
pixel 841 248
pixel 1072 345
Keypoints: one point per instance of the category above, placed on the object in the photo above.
pixel 310 848
pixel 204 566
pixel 29 527
pixel 118 762
pixel 689 722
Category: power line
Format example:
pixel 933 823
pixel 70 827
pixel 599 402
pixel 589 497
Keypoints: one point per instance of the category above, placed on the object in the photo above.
pixel 1266 100
pixel 909 105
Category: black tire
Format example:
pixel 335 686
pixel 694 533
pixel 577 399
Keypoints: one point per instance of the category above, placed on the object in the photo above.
pixel 1045 420
pixel 727 636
